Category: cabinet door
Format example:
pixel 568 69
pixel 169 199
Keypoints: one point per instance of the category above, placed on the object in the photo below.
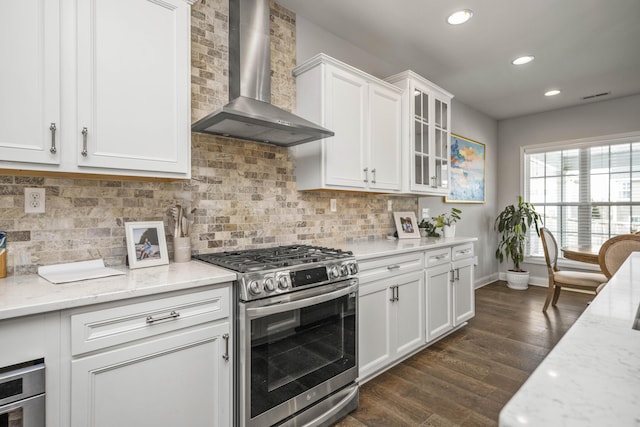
pixel 422 150
pixel 30 81
pixel 430 167
pixel 439 301
pixel 409 313
pixel 345 110
pixel 440 160
pixel 464 306
pixel 133 85
pixel 385 136
pixel 179 380
pixel 374 347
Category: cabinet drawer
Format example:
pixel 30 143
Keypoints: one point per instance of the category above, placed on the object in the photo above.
pixel 379 268
pixel 99 329
pixel 437 257
pixel 462 251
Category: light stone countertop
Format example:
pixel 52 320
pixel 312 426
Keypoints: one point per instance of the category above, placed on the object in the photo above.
pixel 377 248
pixel 31 294
pixel 592 376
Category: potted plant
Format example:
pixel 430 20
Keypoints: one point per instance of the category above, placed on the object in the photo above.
pixel 428 228
pixel 513 224
pixel 447 221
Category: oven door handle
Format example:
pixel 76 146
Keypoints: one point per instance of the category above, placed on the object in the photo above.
pixel 304 302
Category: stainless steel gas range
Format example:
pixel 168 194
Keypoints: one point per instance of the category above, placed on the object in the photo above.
pixel 296 329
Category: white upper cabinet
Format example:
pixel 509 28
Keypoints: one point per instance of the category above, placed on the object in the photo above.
pixel 106 81
pixel 365 114
pixel 133 85
pixel 426 135
pixel 29 81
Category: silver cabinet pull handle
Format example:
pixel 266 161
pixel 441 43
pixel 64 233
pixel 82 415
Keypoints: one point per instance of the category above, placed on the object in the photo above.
pixel 173 315
pixel 373 171
pixel 393 294
pixel 366 174
pixel 393 267
pixel 457 274
pixel 225 337
pixel 85 131
pixel 440 256
pixel 53 128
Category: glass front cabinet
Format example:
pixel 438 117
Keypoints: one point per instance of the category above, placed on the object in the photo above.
pixel 426 134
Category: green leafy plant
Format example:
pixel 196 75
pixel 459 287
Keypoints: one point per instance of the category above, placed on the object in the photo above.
pixel 447 218
pixel 513 224
pixel 430 227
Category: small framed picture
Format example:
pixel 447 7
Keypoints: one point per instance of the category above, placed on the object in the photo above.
pixel 406 225
pixel 146 244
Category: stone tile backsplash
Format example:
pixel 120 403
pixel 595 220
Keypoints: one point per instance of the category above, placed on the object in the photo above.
pixel 243 193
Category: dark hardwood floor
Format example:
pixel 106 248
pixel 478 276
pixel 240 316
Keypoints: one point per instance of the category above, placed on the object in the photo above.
pixel 466 378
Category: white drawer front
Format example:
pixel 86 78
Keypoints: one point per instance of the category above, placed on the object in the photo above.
pixel 437 257
pixel 378 268
pixel 462 251
pixel 113 326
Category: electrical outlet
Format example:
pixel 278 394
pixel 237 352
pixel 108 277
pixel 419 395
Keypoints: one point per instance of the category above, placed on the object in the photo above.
pixel 34 200
pixel 425 213
pixel 334 207
pixel 390 206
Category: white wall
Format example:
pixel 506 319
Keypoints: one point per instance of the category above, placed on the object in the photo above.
pixel 602 118
pixel 477 219
pixel 311 40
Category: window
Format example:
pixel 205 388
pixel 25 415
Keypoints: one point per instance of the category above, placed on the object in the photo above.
pixel 586 191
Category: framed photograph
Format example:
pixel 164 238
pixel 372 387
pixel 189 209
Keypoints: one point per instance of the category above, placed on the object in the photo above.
pixel 467 171
pixel 146 244
pixel 406 225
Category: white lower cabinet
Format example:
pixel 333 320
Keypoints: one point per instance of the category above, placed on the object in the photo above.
pixel 450 289
pixel 439 301
pixel 162 362
pixel 390 310
pixel 390 321
pixel 409 300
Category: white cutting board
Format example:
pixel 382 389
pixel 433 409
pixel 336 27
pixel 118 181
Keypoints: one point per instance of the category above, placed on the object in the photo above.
pixel 76 271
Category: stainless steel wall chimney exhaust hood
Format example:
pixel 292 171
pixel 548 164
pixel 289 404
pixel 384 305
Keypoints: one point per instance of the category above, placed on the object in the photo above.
pixel 249 114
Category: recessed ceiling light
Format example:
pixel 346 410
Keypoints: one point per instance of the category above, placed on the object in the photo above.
pixel 552 92
pixel 523 60
pixel 460 17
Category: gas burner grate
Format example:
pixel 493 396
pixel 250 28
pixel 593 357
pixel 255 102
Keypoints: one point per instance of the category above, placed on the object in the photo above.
pixel 270 258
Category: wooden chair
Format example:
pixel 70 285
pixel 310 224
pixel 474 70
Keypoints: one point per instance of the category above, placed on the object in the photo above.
pixel 615 251
pixel 564 279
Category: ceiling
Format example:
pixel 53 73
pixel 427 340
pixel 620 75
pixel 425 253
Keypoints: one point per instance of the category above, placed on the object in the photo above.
pixel 582 47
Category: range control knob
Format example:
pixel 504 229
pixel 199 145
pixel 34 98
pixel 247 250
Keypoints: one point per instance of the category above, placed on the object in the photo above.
pixel 353 268
pixel 269 284
pixel 333 272
pixel 254 287
pixel 283 282
pixel 344 270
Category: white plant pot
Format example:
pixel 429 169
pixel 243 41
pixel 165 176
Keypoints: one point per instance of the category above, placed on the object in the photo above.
pixel 449 230
pixel 518 280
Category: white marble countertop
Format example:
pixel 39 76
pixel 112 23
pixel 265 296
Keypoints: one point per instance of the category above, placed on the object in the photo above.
pixel 376 248
pixel 31 294
pixel 592 376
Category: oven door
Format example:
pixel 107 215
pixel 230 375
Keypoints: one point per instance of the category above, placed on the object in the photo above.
pixel 295 350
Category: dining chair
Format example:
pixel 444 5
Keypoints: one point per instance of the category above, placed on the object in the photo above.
pixel 615 251
pixel 564 279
